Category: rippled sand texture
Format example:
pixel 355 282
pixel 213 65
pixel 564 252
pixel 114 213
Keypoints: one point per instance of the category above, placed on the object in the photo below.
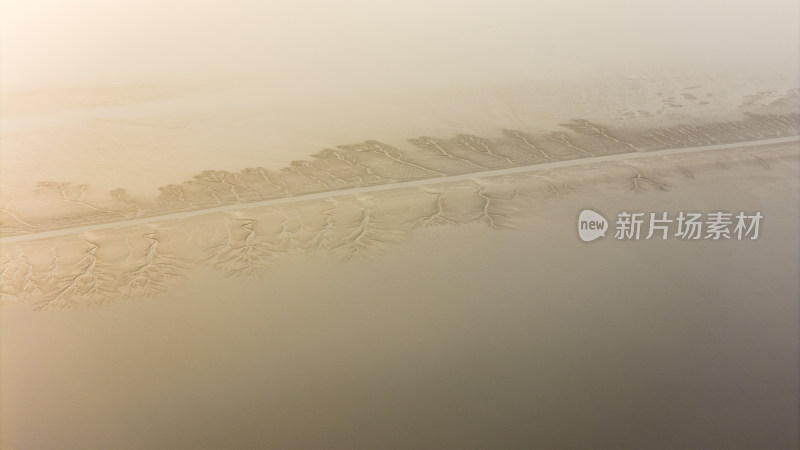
pixel 353 225
pixel 72 248
pixel 64 204
pixel 123 262
pixel 468 315
pixel 434 285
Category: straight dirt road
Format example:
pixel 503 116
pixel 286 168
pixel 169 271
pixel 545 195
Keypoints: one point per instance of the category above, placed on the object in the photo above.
pixel 352 191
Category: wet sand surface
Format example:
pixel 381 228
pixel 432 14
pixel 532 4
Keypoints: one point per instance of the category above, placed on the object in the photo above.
pixel 351 200
pixel 58 204
pixel 458 336
pixel 355 225
pixel 429 294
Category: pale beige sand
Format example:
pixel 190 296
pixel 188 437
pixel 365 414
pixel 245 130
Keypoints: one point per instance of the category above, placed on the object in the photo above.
pixel 456 336
pixel 139 258
pixel 432 293
pixel 312 224
pixel 64 203
pixel 143 136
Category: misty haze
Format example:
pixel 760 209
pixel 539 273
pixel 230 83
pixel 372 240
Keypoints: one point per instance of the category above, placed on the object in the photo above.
pixel 357 225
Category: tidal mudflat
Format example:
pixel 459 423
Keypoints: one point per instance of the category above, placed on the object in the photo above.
pixel 457 315
pixel 74 250
pixel 427 293
pixel 358 225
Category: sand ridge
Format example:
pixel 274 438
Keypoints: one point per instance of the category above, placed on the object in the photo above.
pixel 64 204
pixel 144 260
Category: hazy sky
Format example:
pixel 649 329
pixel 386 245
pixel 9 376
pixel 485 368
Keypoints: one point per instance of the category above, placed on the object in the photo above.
pixel 51 42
